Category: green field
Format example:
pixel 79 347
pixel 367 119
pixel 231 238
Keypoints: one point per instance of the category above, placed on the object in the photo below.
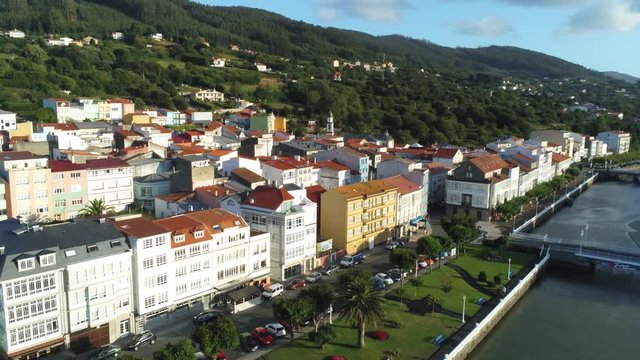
pixel 475 261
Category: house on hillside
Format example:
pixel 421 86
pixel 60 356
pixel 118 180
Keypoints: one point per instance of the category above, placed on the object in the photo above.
pixel 156 37
pixel 219 63
pixel 117 35
pixel 261 67
pixel 208 95
pixel 15 34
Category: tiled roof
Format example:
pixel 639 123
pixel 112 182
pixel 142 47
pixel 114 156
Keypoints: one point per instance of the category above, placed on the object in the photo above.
pixel 213 125
pixel 445 153
pixel 214 190
pixel 106 163
pixel 557 157
pixel 127 133
pixel 183 225
pixel 330 164
pixel 219 217
pixel 120 101
pixel 404 186
pixel 219 152
pixel 267 197
pixel 64 165
pixel 139 227
pixel 178 196
pixel 314 192
pixel 489 163
pixel 287 163
pixel 59 126
pixel 19 155
pixel 247 175
pixel 365 188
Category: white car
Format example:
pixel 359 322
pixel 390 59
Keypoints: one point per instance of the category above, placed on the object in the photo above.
pixel 392 245
pixel 386 278
pixel 313 277
pixel 423 264
pixel 275 329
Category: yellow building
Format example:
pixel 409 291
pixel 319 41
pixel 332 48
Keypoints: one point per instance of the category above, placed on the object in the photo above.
pixel 268 123
pixel 27 178
pixel 137 118
pixel 359 216
pixel 22 129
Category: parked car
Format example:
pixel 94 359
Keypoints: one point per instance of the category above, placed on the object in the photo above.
pixel 297 283
pixel 392 245
pixel 205 317
pixel 313 277
pixel 378 283
pixel 273 290
pixel 262 335
pixel 145 337
pixel 248 343
pixel 422 264
pixel 384 277
pixel 106 352
pixel 330 269
pixel 396 274
pixel 350 260
pixel 275 329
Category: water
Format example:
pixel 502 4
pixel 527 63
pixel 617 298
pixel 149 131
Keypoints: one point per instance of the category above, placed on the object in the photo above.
pixel 569 315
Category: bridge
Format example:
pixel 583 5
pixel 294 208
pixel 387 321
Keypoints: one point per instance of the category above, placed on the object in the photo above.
pixel 610 254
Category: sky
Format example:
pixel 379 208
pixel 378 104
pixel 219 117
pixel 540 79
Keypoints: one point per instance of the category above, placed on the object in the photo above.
pixel 603 35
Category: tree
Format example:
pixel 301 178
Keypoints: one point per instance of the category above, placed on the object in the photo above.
pixel 430 247
pixel 96 207
pixel 446 284
pixel 462 236
pixel 482 276
pixel 446 244
pixel 324 335
pixel 129 357
pixel 292 311
pixel 416 283
pixel 320 297
pixel 46 115
pixel 432 301
pixel 346 277
pixel 362 305
pixel 404 258
pixel 184 350
pixel 217 335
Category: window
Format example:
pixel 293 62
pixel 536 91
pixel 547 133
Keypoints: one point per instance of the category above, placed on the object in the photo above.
pixel 147 263
pixel 180 254
pixel 205 247
pixel 160 241
pixel 161 259
pixel 149 302
pixel 76 202
pixel 149 282
pixel 181 271
pixel 41 194
pixel 198 234
pixel 178 238
pixel 48 259
pixel 59 190
pixel 75 175
pixel 23 196
pixel 181 289
pixel 92 248
pixel 195 267
pixel 70 253
pixel 194 250
pixel 58 176
pixel 162 279
pixel 26 264
pixel 163 298
pixel 60 203
pixel 148 243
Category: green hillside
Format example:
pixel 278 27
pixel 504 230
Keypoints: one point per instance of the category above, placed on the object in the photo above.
pixel 438 94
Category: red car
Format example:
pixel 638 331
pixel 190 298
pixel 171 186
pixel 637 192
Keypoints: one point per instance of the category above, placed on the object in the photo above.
pixel 298 283
pixel 262 335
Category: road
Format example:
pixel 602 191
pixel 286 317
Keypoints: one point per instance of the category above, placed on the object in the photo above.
pixel 178 325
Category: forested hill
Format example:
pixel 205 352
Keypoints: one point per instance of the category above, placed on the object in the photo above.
pixel 268 32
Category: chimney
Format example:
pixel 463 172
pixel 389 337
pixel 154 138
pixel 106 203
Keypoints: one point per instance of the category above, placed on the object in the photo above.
pixel 274 157
pixel 296 157
pixel 190 208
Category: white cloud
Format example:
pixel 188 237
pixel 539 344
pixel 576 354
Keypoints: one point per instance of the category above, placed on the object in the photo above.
pixel 486 27
pixel 372 10
pixel 608 15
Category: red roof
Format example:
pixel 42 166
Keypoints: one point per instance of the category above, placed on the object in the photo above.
pixel 120 101
pixel 330 164
pixel 178 196
pixel 127 133
pixel 106 163
pixel 436 167
pixel 267 197
pixel 557 157
pixel 139 227
pixel 247 175
pixel 314 192
pixel 404 186
pixel 64 165
pixel 287 163
pixel 220 152
pixel 489 163
pixel 446 153
pixel 59 126
pixel 214 190
pixel 213 125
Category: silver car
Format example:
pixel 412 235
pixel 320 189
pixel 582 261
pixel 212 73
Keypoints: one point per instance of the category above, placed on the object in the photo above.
pixel 275 329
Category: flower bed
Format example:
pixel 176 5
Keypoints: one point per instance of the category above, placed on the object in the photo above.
pixel 379 335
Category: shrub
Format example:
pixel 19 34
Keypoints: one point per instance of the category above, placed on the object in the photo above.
pixel 490 284
pixel 482 276
pixel 446 284
pixel 497 279
pixel 379 335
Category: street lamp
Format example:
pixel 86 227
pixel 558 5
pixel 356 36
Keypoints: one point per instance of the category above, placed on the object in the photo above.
pixel 583 236
pixel 536 207
pixel 415 273
pixel 464 303
pixel 509 270
pixel 330 311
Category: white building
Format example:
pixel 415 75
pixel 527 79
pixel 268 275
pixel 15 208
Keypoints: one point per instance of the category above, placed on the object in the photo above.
pixel 219 63
pixel 618 142
pixel 332 174
pixel 63 284
pixel 7 120
pixel 597 148
pixel 156 37
pixel 285 170
pixel 208 95
pixel 117 35
pixel 110 180
pixel 290 219
pixel 409 204
pixel 261 67
pixel 15 34
pixel 559 137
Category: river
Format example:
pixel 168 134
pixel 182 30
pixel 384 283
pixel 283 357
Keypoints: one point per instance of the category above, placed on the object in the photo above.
pixel 570 315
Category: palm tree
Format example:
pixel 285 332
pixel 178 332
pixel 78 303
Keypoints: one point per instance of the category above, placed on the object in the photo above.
pixel 96 207
pixel 362 305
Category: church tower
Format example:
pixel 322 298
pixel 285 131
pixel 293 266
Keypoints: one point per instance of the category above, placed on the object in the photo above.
pixel 330 124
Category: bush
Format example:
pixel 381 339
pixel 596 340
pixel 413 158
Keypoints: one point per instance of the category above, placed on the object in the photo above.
pixel 490 284
pixel 497 279
pixel 379 335
pixel 446 284
pixel 336 357
pixel 482 276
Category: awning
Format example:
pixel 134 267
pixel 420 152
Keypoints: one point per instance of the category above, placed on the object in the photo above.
pixel 416 220
pixel 248 293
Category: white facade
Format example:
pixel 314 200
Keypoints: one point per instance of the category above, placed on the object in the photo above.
pixel 618 142
pixel 284 171
pixel 15 34
pixel 597 148
pixel 208 95
pixel 3 199
pixel 7 120
pixel 219 63
pixel 112 183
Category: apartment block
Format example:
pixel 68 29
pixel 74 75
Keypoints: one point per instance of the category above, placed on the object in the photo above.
pixel 27 189
pixel 7 120
pixel 68 189
pixel 359 216
pixel 110 180
pixel 282 170
pixel 618 142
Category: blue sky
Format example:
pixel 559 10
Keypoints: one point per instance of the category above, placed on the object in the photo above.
pixel 599 34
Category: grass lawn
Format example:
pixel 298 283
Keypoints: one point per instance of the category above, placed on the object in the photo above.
pixel 452 300
pixel 474 262
pixel 414 339
pixel 166 62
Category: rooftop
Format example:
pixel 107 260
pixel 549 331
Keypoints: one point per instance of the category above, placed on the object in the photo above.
pixel 363 189
pixel 489 163
pixel 18 155
pixel 267 197
pixel 108 163
pixel 64 165
pixel 403 184
pixel 247 175
pixel 140 227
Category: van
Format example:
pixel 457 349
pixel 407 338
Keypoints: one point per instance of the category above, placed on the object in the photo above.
pixel 272 291
pixel 350 260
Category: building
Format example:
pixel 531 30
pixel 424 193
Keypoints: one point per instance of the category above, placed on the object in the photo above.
pixel 117 35
pixel 7 120
pixel 359 216
pixel 208 95
pixel 437 180
pixel 561 163
pixel 284 170
pixel 560 137
pixel 69 189
pixel 261 67
pixel 290 219
pixel 268 123
pixel 191 172
pixel 245 179
pixel 147 188
pixel 27 184
pixel 409 215
pixel 119 108
pixel 332 174
pixel 596 148
pixel 3 199
pixel 416 172
pixel 480 184
pixel 15 34
pixel 330 124
pixel 353 159
pixel 450 157
pixel 110 180
pixel 68 284
pixel 218 62
pixel 618 142
pixel 137 117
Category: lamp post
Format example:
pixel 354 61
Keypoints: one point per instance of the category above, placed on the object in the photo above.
pixel 583 236
pixel 464 303
pixel 536 207
pixel 415 273
pixel 330 310
pixel 509 270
